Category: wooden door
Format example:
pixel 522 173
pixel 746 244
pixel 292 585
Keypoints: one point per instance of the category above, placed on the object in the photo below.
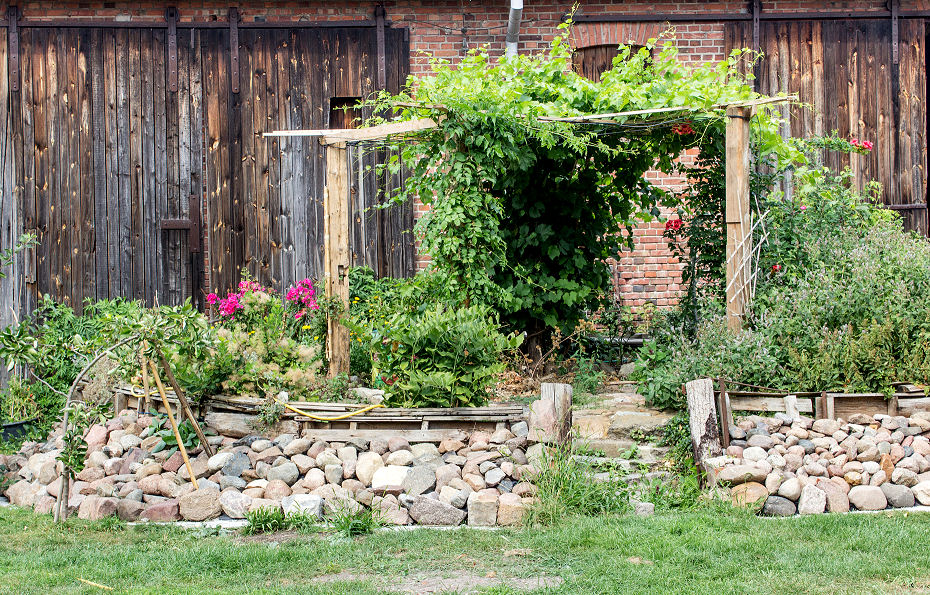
pixel 844 73
pixel 265 195
pixel 103 153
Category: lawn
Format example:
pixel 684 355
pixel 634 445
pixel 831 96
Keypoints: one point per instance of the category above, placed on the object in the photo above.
pixel 705 551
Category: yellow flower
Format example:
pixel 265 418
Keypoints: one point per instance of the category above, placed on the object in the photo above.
pixel 306 327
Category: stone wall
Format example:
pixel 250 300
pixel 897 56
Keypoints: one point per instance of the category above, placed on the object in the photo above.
pixel 807 466
pixel 479 479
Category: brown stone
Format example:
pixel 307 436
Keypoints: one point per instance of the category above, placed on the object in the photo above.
pixel 748 493
pixel 276 490
pixel 162 512
pixel 887 465
pixel 200 505
pixel 94 508
pixel 129 510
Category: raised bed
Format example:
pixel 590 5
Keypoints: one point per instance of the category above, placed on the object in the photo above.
pixel 735 397
pixel 415 424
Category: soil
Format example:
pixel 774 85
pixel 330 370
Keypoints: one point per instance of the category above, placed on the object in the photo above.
pixel 436 583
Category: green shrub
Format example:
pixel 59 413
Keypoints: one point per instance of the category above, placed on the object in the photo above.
pixel 271 519
pixel 440 357
pixel 841 304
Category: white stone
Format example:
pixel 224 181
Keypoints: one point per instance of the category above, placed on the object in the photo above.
pixel 391 475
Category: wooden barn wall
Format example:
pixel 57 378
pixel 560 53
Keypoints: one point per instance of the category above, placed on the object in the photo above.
pixel 97 151
pixel 844 74
pixel 265 195
pixel 103 153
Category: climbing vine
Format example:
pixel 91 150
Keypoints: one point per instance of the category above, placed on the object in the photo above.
pixel 525 209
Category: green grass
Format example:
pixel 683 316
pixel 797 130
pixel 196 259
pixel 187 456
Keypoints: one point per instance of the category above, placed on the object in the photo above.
pixel 701 551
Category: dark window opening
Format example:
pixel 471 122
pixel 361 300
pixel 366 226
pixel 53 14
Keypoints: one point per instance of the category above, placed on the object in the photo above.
pixel 343 112
pixel 591 62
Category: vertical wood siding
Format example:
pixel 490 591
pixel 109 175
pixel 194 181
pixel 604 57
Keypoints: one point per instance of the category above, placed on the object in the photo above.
pixel 847 82
pixel 96 151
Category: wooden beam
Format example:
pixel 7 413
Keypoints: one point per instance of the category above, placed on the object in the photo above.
pixel 331 136
pixel 336 253
pixel 739 242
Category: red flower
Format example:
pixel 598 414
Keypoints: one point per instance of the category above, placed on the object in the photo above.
pixel 682 129
pixel 776 268
pixel 673 225
pixel 867 145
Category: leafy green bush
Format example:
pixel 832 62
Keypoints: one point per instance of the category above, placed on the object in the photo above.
pixel 440 357
pixel 271 519
pixel 841 304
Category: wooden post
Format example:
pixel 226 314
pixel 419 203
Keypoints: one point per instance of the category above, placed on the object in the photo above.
pixel 702 420
pixel 174 426
pixel 739 244
pixel 791 406
pixel 561 397
pixel 723 409
pixel 336 251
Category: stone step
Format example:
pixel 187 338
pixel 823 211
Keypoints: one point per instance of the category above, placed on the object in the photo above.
pixel 627 424
pixel 613 449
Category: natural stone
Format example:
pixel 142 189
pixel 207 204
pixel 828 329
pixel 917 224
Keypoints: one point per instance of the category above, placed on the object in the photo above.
pixel 200 505
pixel 94 508
pixel 366 466
pixel 392 475
pixel 898 496
pixel 867 498
pixel 778 506
pixel 419 479
pixel 308 504
pixel 427 511
pixel 813 500
pixel 748 493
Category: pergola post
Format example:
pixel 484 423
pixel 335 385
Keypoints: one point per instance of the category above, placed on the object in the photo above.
pixel 336 253
pixel 739 244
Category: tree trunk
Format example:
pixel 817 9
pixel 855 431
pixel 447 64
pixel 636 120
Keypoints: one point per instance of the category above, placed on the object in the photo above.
pixel 702 420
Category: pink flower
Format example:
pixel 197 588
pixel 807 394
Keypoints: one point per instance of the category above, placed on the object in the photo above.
pixel 867 145
pixel 212 299
pixel 854 142
pixel 803 207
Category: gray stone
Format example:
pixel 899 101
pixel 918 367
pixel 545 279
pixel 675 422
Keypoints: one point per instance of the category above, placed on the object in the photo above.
pixel 219 460
pixel 494 477
pixel 419 480
pixel 333 474
pixel 898 496
pixel 643 508
pixel 778 506
pixel 427 511
pixel 520 429
pixel 228 481
pixel 904 477
pixel 237 464
pixel 308 504
pixel 327 458
pixel 287 473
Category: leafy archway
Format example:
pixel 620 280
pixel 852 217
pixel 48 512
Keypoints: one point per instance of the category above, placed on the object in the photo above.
pixel 530 185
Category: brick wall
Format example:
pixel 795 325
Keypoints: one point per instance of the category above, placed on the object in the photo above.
pixel 448 28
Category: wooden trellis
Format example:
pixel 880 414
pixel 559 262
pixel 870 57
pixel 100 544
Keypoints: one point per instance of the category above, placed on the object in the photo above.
pixel 336 255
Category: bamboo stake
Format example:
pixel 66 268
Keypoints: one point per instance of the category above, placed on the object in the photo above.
pixel 145 383
pixel 174 425
pixel 182 399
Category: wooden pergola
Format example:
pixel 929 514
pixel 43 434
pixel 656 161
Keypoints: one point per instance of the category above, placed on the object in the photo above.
pixel 336 253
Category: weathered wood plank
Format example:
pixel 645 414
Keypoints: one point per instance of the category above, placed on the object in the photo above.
pixel 98 65
pixel 183 129
pixel 245 166
pixel 136 167
pixel 197 175
pixel 769 404
pixel 86 146
pixel 151 206
pixel 42 139
pixel 10 185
